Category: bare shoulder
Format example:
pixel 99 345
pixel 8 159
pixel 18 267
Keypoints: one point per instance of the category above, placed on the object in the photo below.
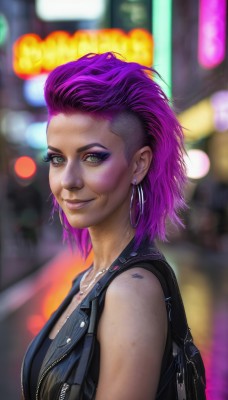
pixel 132 334
pixel 136 282
pixel 136 294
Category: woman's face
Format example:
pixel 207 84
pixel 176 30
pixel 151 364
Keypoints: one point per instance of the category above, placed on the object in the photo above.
pixel 89 174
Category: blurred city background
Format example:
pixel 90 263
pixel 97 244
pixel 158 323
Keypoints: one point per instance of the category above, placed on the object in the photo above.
pixel 186 41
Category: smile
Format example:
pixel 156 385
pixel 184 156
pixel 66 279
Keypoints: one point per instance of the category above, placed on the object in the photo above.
pixel 76 204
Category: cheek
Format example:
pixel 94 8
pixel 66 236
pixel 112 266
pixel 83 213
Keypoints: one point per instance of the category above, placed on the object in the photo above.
pixel 54 182
pixel 109 180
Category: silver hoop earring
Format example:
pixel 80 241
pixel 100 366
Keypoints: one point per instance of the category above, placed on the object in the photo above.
pixel 133 205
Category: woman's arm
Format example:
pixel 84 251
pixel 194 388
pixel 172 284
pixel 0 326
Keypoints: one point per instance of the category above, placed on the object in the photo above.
pixel 132 334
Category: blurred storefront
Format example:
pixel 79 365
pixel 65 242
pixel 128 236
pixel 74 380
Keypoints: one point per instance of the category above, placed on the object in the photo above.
pixel 37 38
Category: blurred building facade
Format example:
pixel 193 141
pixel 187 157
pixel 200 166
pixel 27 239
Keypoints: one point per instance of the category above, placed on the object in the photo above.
pixel 199 96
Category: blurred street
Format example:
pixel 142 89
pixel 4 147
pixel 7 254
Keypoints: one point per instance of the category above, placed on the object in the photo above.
pixel 24 307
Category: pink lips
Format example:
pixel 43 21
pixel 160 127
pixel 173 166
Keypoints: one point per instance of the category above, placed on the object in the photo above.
pixel 76 204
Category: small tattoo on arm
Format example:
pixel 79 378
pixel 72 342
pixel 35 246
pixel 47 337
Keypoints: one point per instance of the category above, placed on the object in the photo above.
pixel 138 276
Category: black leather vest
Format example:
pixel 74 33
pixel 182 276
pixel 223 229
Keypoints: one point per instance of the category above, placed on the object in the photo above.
pixel 64 352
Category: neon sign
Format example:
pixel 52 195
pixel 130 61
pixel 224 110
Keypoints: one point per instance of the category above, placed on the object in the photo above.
pixel 33 55
pixel 70 10
pixel 162 33
pixel 212 32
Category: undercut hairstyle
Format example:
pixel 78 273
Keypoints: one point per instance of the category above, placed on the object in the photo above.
pixel 130 128
pixel 109 87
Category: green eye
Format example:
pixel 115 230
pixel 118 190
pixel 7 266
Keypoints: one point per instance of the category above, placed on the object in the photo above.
pixel 57 160
pixel 96 158
pixel 53 159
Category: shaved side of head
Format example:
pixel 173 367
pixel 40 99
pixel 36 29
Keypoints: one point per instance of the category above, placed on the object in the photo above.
pixel 130 128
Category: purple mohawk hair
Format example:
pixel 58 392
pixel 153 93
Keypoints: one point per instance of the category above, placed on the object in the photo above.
pixel 103 84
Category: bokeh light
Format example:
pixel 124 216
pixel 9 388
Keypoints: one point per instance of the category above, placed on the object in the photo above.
pixel 36 135
pixel 197 163
pixel 25 167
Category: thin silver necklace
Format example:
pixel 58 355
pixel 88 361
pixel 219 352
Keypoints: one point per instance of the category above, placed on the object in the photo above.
pixel 84 287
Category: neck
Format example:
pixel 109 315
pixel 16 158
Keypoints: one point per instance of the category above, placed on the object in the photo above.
pixel 108 245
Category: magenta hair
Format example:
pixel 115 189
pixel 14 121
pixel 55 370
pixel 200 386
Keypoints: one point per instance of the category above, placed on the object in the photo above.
pixel 103 84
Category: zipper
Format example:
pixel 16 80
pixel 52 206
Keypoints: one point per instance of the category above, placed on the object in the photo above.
pixel 64 389
pixel 46 371
pixel 22 387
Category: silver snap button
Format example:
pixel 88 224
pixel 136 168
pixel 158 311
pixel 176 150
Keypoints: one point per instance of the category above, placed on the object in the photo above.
pixel 82 324
pixel 68 340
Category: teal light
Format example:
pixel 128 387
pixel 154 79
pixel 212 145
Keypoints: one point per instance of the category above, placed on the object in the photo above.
pixel 4 28
pixel 162 34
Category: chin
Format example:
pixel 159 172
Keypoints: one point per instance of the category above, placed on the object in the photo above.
pixel 84 224
pixel 77 224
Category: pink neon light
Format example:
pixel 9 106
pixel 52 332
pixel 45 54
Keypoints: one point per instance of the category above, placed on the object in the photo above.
pixel 217 385
pixel 212 32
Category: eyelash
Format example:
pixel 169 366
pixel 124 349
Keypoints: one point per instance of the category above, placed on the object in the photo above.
pixel 100 157
pixel 50 158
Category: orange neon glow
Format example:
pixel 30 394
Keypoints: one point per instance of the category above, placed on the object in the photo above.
pixel 33 55
pixel 56 281
pixel 73 264
pixel 35 323
pixel 25 167
pixel 27 55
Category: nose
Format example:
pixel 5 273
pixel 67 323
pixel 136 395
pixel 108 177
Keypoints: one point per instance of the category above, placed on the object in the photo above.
pixel 71 177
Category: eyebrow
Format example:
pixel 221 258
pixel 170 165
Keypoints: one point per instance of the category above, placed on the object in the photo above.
pixel 80 149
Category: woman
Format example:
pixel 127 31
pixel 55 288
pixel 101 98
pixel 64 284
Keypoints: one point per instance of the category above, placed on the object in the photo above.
pixel 117 174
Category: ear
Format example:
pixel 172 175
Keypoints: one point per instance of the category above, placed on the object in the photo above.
pixel 141 163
